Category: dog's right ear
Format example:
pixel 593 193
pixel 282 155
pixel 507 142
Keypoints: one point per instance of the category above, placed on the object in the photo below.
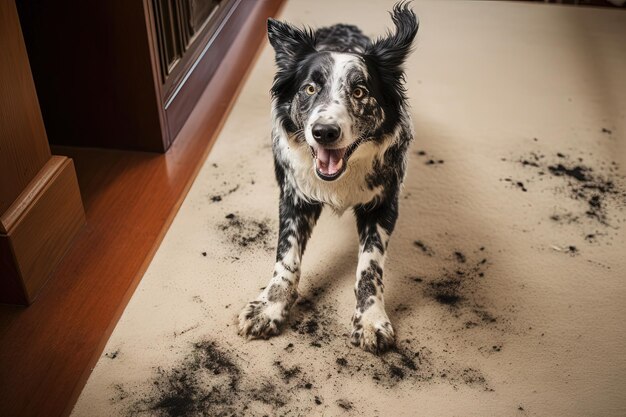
pixel 290 43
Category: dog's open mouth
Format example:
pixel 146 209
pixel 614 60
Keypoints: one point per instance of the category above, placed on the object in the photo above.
pixel 331 163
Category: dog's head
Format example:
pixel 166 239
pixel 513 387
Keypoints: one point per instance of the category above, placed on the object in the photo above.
pixel 333 102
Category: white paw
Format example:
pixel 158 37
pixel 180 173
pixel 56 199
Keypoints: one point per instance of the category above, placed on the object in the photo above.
pixel 372 330
pixel 262 319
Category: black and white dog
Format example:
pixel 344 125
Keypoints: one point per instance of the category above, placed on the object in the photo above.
pixel 341 129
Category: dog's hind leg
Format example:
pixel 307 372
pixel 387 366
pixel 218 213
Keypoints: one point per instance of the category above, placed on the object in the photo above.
pixel 264 317
pixel 371 328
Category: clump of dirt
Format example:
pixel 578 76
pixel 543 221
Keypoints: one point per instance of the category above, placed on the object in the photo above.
pixel 426 250
pixel 344 404
pixel 216 198
pixel 207 379
pixel 456 288
pixel 403 363
pixel 473 377
pixel 120 393
pixel 287 374
pixel 466 376
pixel 112 355
pixel 446 291
pixel 460 257
pixel 517 184
pixel 434 162
pixel 597 187
pixel 247 233
pixel 210 380
pixel 315 322
pixel 429 160
pixel 341 361
pixel 400 364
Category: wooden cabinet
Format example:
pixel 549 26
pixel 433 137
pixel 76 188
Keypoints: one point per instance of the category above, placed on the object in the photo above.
pixel 40 205
pixel 125 74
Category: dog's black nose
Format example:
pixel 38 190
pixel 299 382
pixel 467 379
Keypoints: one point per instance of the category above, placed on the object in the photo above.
pixel 326 133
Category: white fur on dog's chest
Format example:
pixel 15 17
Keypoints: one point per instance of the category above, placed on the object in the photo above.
pixel 345 192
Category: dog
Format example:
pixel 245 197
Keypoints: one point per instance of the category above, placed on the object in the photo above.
pixel 341 129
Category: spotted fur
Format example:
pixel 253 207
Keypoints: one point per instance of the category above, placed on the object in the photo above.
pixel 337 95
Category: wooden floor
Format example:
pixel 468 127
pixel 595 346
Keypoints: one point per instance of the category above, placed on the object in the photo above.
pixel 47 350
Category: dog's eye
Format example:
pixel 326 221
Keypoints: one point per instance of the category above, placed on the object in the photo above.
pixel 358 93
pixel 310 89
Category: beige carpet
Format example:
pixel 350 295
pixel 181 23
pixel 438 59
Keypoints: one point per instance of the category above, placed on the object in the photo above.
pixel 506 277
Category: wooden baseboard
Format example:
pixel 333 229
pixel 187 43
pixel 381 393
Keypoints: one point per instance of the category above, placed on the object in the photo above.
pixel 37 229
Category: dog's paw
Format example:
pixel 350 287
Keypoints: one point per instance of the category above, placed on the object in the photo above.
pixel 372 331
pixel 261 319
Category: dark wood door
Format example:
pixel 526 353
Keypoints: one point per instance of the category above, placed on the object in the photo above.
pixel 184 31
pixel 125 74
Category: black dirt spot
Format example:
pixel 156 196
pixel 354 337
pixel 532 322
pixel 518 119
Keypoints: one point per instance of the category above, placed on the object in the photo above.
pixel 209 380
pixel 247 233
pixel 431 160
pixel 457 288
pixel 315 323
pixel 396 372
pixel 579 173
pixel 434 162
pixel 180 391
pixel 218 197
pixel 345 404
pixel 596 186
pixel 460 257
pixel 401 308
pixel 341 361
pixel 449 299
pixel 309 327
pixel 400 364
pixel 516 184
pixel 607 131
pixel 528 162
pixel 446 291
pixel 471 376
pixel 112 355
pixel 426 250
pixel 287 374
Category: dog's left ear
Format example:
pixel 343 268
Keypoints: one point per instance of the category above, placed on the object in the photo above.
pixel 289 43
pixel 390 52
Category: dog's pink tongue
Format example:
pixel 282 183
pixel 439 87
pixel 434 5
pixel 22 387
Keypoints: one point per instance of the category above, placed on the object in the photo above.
pixel 329 161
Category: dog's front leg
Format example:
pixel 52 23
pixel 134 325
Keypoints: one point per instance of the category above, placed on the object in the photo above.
pixel 371 328
pixel 264 317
